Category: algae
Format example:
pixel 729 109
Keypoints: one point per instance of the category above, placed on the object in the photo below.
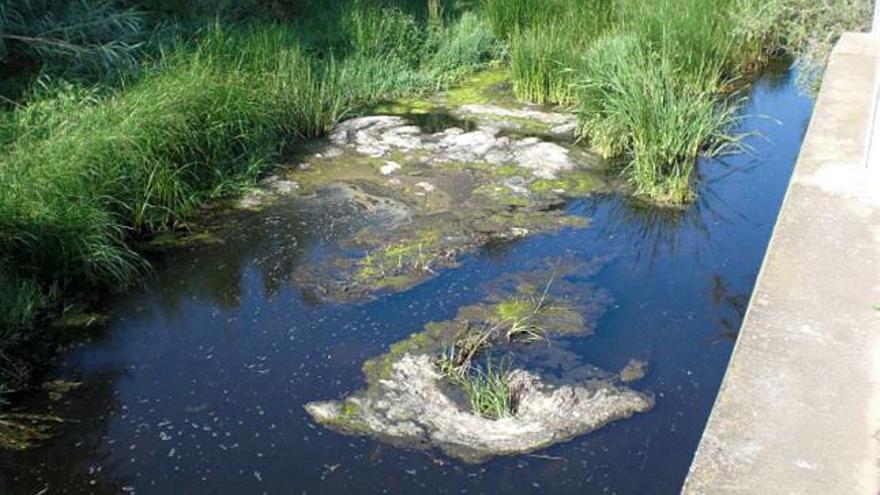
pixel 427 391
pixel 424 184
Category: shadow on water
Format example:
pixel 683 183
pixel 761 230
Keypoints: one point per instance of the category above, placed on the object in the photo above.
pixel 198 384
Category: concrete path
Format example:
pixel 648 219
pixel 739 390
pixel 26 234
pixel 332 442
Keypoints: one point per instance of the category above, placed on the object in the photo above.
pixel 799 408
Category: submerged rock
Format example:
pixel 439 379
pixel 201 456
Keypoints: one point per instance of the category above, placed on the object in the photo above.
pixel 634 370
pixel 413 407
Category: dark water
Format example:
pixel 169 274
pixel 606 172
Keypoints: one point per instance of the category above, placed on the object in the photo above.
pixel 199 383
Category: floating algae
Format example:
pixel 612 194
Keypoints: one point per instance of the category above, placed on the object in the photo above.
pixel 413 396
pixel 408 193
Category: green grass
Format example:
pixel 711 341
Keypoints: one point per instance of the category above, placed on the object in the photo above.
pixel 87 168
pixel 639 104
pixel 522 318
pixel 489 391
pixel 546 52
pixel 650 79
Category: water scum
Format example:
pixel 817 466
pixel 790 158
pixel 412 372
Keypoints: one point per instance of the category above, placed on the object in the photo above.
pixel 420 394
pixel 431 180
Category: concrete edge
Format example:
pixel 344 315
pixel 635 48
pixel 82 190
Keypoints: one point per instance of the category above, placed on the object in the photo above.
pixel 741 450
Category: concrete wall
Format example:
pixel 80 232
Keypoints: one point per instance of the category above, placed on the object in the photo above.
pixel 799 408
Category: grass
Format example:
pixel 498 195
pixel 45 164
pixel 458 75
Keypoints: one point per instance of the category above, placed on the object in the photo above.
pixel 456 359
pixel 522 318
pixel 489 391
pixel 639 104
pixel 86 168
pixel 650 79
pixel 546 51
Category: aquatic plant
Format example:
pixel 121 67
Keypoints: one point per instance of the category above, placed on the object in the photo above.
pixel 522 317
pixel 455 360
pixel 638 104
pixel 489 390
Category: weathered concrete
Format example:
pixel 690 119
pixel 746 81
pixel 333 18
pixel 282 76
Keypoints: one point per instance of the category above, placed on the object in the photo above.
pixel 799 408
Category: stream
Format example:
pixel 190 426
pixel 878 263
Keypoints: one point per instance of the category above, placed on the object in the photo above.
pixel 199 381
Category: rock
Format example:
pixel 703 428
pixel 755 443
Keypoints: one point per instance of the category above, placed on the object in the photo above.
pixel 412 408
pixel 426 186
pixel 389 168
pixel 545 160
pixel 564 131
pixel 517 185
pixel 550 118
pixel 377 135
pixel 279 185
pixel 252 200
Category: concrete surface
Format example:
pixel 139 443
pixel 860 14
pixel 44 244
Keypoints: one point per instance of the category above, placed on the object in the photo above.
pixel 799 408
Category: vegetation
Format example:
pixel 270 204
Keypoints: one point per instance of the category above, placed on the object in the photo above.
pixel 523 317
pixel 121 118
pixel 19 431
pixel 488 390
pixel 651 80
pixel 86 167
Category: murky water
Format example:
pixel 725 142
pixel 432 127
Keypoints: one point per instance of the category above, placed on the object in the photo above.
pixel 198 384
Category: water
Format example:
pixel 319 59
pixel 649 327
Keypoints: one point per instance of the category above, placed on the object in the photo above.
pixel 198 384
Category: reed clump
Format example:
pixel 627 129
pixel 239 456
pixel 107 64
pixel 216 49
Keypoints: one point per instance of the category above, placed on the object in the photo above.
pixel 651 80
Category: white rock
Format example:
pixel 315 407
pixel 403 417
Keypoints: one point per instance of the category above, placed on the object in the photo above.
pixel 389 168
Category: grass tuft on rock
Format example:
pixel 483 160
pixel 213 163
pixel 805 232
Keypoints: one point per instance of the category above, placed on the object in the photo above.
pixel 489 391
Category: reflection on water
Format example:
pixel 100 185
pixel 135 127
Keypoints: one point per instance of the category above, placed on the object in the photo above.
pixel 198 384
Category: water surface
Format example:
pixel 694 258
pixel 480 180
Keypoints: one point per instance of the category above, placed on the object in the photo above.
pixel 198 384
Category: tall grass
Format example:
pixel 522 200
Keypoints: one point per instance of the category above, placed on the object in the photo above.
pixel 649 78
pixel 639 104
pixel 84 169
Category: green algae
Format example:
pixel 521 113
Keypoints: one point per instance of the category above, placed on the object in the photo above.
pixel 571 184
pixel 181 239
pixel 433 337
pixel 350 411
pixel 491 86
pixel 502 195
